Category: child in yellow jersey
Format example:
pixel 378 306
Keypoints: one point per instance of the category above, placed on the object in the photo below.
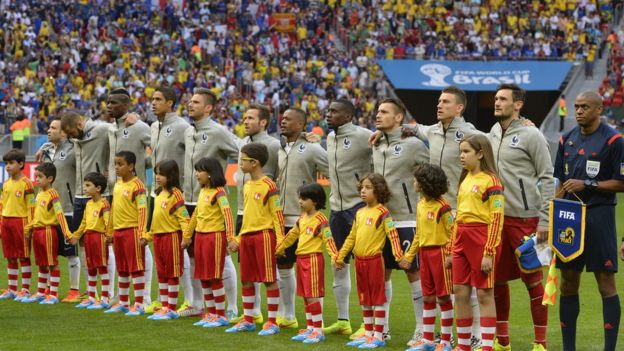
pixel 48 214
pixel 128 217
pixel 170 221
pixel 17 207
pixel 367 238
pixel 312 231
pixel 262 229
pixel 480 205
pixel 213 224
pixel 95 235
pixel 434 225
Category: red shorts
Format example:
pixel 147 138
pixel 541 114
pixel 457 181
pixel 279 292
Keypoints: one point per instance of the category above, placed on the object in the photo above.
pixel 514 229
pixel 310 275
pixel 210 259
pixel 468 254
pixel 168 254
pixel 434 278
pixel 129 254
pixel 257 256
pixel 45 245
pixel 14 245
pixel 370 275
pixel 96 249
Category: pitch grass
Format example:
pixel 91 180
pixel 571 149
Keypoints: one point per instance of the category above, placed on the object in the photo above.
pixel 36 327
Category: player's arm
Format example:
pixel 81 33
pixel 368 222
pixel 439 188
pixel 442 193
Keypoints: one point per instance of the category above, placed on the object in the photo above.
pixel 60 216
pixel 106 218
pixel 277 213
pixel 446 216
pixel 410 254
pixel 140 199
pixel 226 212
pixel 393 236
pixel 320 161
pixel 540 155
pixel 29 196
pixel 230 145
pixel 178 210
pixel 289 239
pixel 496 204
pixel 1 208
pixel 190 229
pixel 347 246
pixel 328 239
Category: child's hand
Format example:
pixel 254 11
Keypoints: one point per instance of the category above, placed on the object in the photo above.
pixel 143 242
pixel 73 241
pixel 448 262
pixel 404 264
pixel 233 246
pixel 186 243
pixel 109 240
pixel 339 265
pixel 486 264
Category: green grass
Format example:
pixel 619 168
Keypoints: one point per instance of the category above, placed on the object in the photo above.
pixel 36 327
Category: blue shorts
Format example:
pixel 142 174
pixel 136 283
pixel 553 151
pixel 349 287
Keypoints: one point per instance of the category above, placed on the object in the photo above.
pixel 289 254
pixel 64 248
pixel 340 223
pixel 601 246
pixel 406 236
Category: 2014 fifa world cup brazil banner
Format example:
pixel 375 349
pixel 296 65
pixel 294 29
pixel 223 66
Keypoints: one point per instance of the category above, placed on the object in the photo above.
pixel 566 232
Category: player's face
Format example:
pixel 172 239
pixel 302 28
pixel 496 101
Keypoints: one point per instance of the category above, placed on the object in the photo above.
pixel 246 163
pixel 161 180
pixel 13 167
pixel 387 117
pixel 202 177
pixel 55 134
pixel 469 157
pixel 198 107
pixel 336 115
pixel 503 104
pixel 122 168
pixel 42 180
pixel 587 111
pixel 448 108
pixel 90 189
pixel 416 185
pixel 73 131
pixel 115 108
pixel 291 123
pixel 160 106
pixel 306 205
pixel 367 192
pixel 252 122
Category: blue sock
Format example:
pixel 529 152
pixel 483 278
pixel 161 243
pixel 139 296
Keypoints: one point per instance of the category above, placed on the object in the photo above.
pixel 611 315
pixel 568 314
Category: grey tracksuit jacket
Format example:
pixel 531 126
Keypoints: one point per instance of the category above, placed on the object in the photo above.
pixel 135 138
pixel 92 153
pixel 62 156
pixel 167 141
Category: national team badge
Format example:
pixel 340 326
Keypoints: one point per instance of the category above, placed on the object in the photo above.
pixel 515 140
pixel 475 188
pixel 566 230
pixel 62 155
pixel 346 143
pixel 88 136
pixel 96 213
pixel 301 148
pixel 125 133
pixel 42 203
pixel 168 131
pixel 459 135
pixel 204 138
pixel 18 194
pixel 126 193
pixel 309 230
pixel 430 216
pixel 592 168
pixel 164 204
pixel 369 221
pixel 396 150
pixel 257 196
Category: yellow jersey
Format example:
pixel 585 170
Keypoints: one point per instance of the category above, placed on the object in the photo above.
pixel 18 198
pixel 49 212
pixel 480 200
pixel 169 215
pixel 212 214
pixel 129 209
pixel 313 233
pixel 434 226
pixel 96 218
pixel 368 234
pixel 262 209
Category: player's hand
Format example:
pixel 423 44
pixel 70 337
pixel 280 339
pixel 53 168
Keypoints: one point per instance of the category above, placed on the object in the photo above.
pixel 109 240
pixel 312 137
pixel 73 241
pixel 448 262
pixel 131 118
pixel 573 185
pixel 339 265
pixel 27 234
pixel 186 243
pixel 374 138
pixel 407 132
pixel 542 234
pixel 404 264
pixel 486 264
pixel 233 246
pixel 143 242
pixel 527 122
pixel 38 155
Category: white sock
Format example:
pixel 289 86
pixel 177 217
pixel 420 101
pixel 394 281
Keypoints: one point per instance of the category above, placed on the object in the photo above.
pixel 186 278
pixel 388 288
pixel 476 314
pixel 342 290
pixel 197 297
pixel 229 279
pixel 112 269
pixel 73 264
pixel 149 271
pixel 287 286
pixel 417 300
pixel 257 299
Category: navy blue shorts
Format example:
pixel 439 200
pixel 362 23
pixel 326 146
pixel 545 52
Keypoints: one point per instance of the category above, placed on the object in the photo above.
pixel 406 236
pixel 340 223
pixel 289 254
pixel 64 249
pixel 601 246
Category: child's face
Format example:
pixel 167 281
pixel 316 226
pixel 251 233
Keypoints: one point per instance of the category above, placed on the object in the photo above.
pixel 122 167
pixel 13 167
pixel 307 205
pixel 246 163
pixel 42 180
pixel 367 192
pixel 161 180
pixel 416 185
pixel 90 189
pixel 469 157
pixel 202 177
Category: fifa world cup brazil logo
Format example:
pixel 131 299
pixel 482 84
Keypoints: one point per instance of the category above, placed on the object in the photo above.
pixel 566 236
pixel 436 73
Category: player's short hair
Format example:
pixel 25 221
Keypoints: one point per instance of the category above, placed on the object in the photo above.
pixel 211 166
pixel 431 179
pixel 168 93
pixel 257 151
pixel 302 114
pixel 128 156
pixel 122 92
pixel 69 119
pixel 380 187
pixel 209 96
pixel 460 95
pixel 397 103
pixel 517 93
pixel 97 179
pixel 48 169
pixel 314 192
pixel 16 155
pixel 348 106
pixel 264 114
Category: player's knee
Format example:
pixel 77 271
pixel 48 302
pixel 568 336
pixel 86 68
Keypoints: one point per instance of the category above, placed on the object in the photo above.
pixel 429 299
pixel 485 295
pixel 606 285
pixel 569 287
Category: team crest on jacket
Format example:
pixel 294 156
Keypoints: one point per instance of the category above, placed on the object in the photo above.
pixel 515 140
pixel 430 216
pixel 43 203
pixel 88 135
pixel 96 213
pixel 126 193
pixel 475 188
pixel 301 148
pixel 257 196
pixel 18 194
pixel 168 131
pixel 458 135
pixel 369 221
pixel 125 133
pixel 204 138
pixel 309 230
pixel 346 144
pixel 62 155
pixel 164 204
pixel 396 150
pixel 592 168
